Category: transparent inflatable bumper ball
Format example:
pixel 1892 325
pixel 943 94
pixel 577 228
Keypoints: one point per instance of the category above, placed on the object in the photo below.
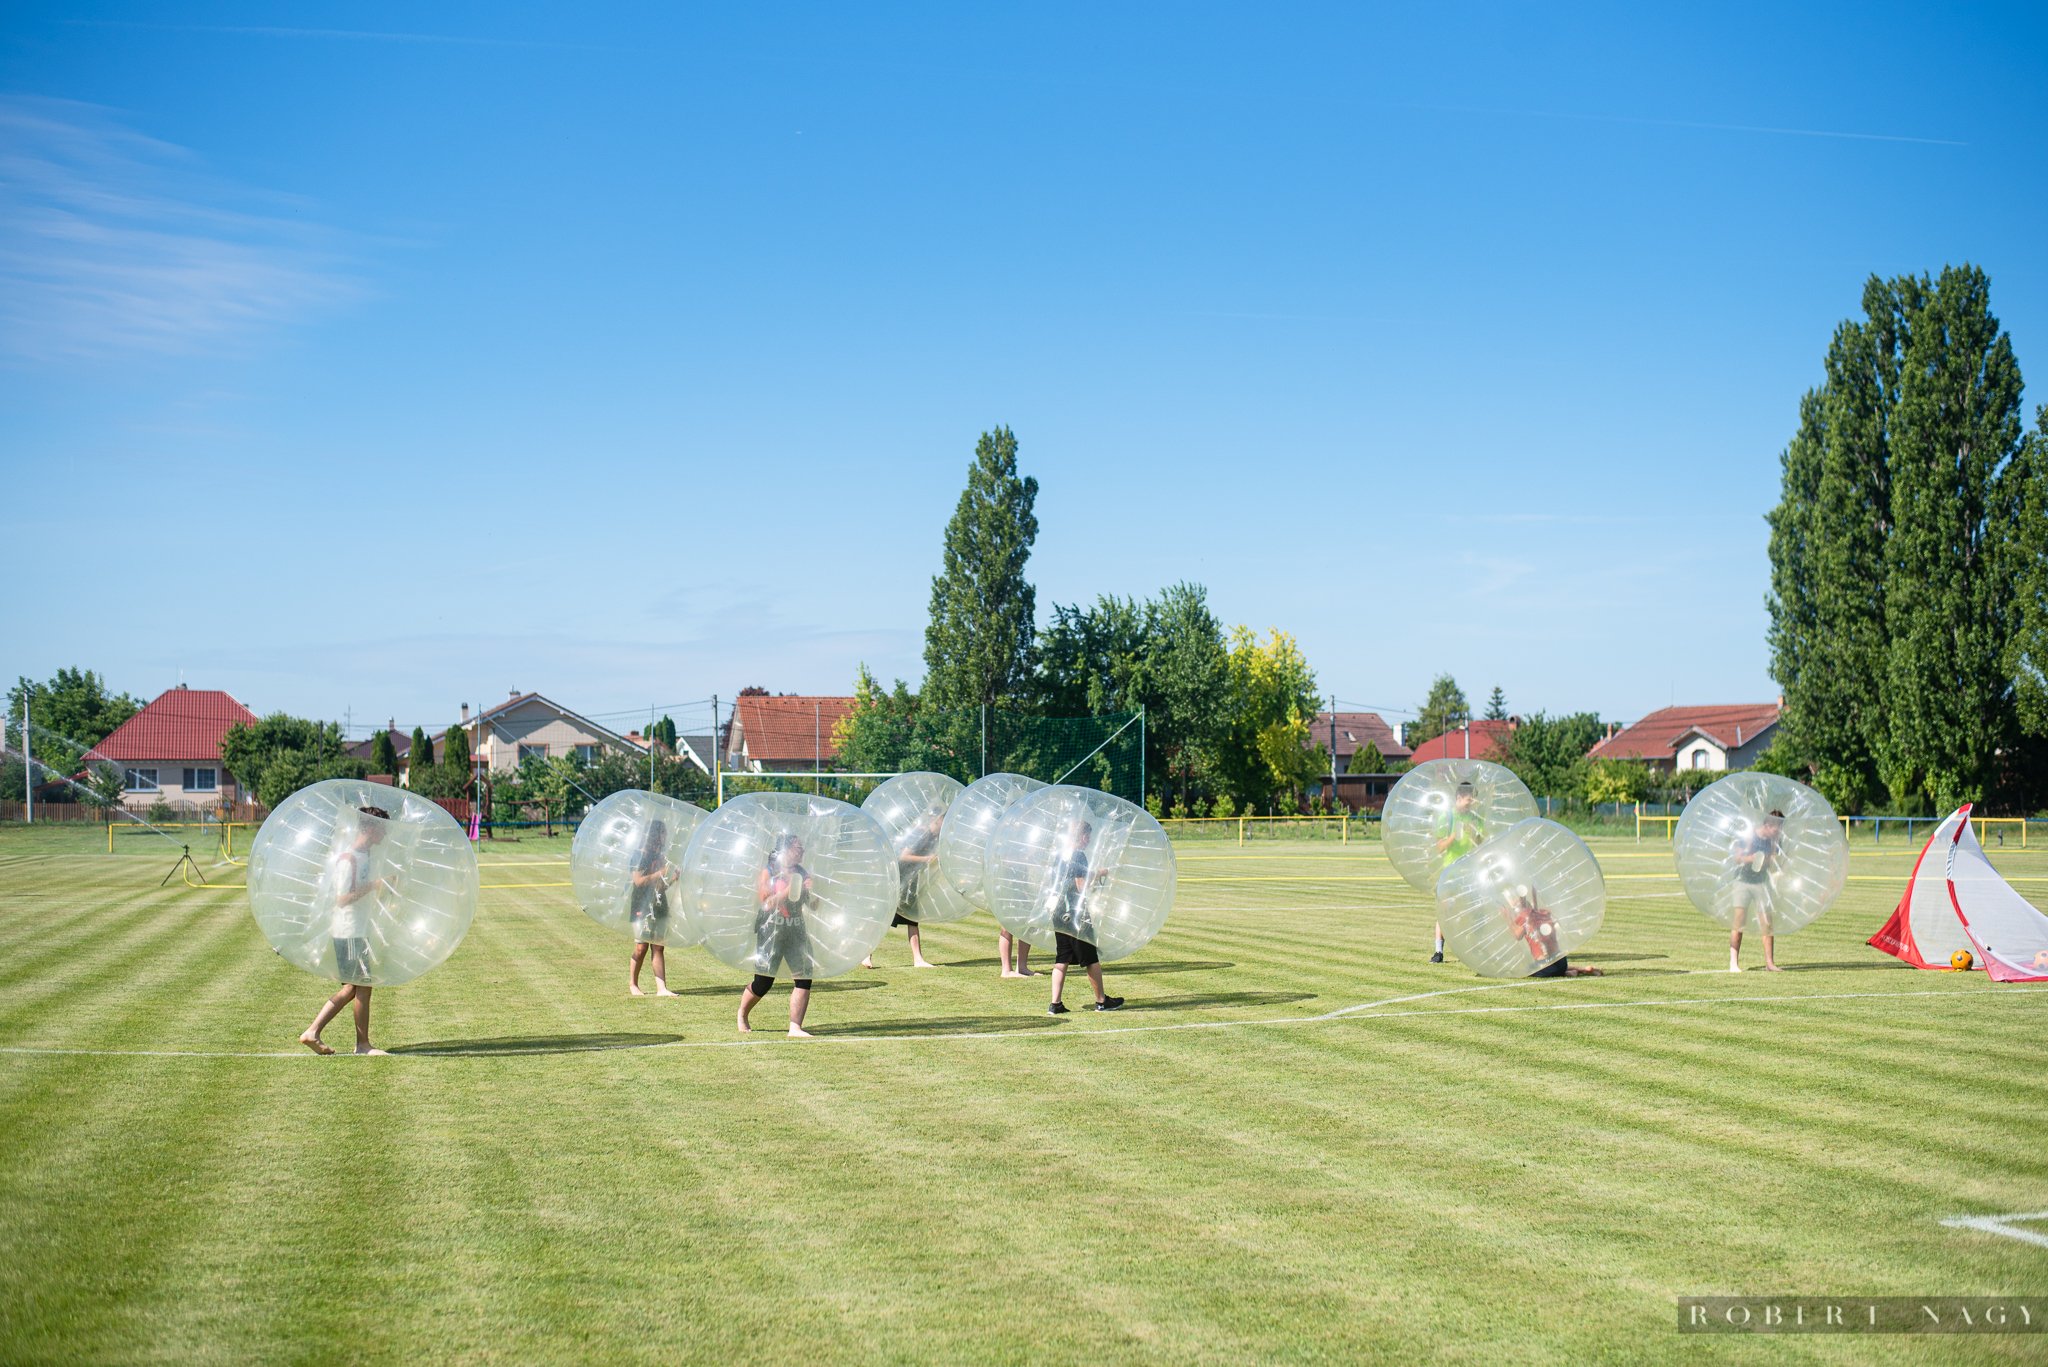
pixel 911 810
pixel 1083 862
pixel 1523 900
pixel 789 885
pixel 1444 809
pixel 626 860
pixel 357 897
pixel 1738 857
pixel 970 824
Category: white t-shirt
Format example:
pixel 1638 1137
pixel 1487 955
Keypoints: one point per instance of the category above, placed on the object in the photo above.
pixel 348 870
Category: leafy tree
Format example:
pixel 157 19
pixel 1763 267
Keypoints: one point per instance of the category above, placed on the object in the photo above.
pixel 1442 710
pixel 315 750
pixel 977 646
pixel 70 712
pixel 2025 504
pixel 879 733
pixel 1188 678
pixel 383 754
pixel 420 758
pixel 663 733
pixel 453 776
pixel 1367 759
pixel 1947 701
pixel 1549 753
pixel 1270 699
pixel 1615 780
pixel 1497 705
pixel 106 787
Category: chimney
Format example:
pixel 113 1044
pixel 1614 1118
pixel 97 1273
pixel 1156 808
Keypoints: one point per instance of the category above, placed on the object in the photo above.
pixel 465 714
pixel 514 693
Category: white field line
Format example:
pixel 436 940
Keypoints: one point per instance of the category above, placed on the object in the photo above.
pixel 1342 1013
pixel 2002 1224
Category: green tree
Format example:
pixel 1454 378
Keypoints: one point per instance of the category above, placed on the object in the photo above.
pixel 1188 676
pixel 1497 705
pixel 879 733
pixel 1443 709
pixel 420 758
pixel 383 754
pixel 71 712
pixel 1367 759
pixel 2024 508
pixel 1615 780
pixel 663 733
pixel 1270 700
pixel 452 776
pixel 315 750
pixel 1946 699
pixel 1549 753
pixel 977 645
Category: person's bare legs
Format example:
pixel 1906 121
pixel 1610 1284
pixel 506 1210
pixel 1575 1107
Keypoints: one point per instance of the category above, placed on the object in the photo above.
pixel 799 1002
pixel 1763 926
pixel 1004 943
pixel 363 1045
pixel 1735 941
pixel 1024 968
pixel 1437 955
pixel 1095 981
pixel 633 978
pixel 917 959
pixel 328 1010
pixel 748 1000
pixel 1059 980
pixel 660 957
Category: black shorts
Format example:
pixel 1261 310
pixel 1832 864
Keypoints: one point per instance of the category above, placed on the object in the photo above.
pixel 1073 951
pixel 902 920
pixel 1559 967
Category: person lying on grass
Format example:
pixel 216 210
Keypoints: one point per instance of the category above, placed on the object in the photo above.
pixel 1074 946
pixel 354 892
pixel 1534 926
pixel 780 939
pixel 919 852
pixel 653 875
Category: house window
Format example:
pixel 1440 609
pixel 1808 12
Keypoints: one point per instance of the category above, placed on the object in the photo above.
pixel 140 780
pixel 202 780
pixel 527 752
pixel 587 753
pixel 1699 759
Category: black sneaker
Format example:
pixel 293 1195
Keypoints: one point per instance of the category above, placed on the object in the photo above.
pixel 1109 1003
pixel 1437 957
pixel 1056 1009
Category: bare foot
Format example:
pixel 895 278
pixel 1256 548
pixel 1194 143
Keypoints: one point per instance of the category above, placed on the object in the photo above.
pixel 661 990
pixel 1011 973
pixel 371 1051
pixel 1734 968
pixel 798 1032
pixel 312 1041
pixel 867 963
pixel 1027 972
pixel 1772 968
pixel 745 1029
pixel 922 963
pixel 633 989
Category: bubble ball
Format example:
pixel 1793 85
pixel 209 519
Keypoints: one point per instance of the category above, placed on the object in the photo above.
pixel 1731 861
pixel 358 898
pixel 1523 900
pixel 911 810
pixel 788 884
pixel 1059 836
pixel 970 822
pixel 1427 824
pixel 625 861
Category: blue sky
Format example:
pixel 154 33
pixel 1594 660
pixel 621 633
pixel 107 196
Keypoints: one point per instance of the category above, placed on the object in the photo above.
pixel 370 359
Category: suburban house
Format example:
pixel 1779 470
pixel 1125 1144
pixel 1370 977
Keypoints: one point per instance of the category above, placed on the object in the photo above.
pixel 170 750
pixel 1343 734
pixel 401 742
pixel 770 735
pixel 1480 739
pixel 699 750
pixel 527 725
pixel 1725 737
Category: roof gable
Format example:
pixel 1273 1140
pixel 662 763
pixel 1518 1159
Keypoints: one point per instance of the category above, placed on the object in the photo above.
pixel 179 724
pixel 786 729
pixel 1658 736
pixel 1486 738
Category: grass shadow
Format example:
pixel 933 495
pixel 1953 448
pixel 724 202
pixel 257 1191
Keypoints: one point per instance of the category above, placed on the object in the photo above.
pixel 1859 965
pixel 781 988
pixel 1616 958
pixel 990 962
pixel 504 1045
pixel 1187 966
pixel 941 1025
pixel 1197 1000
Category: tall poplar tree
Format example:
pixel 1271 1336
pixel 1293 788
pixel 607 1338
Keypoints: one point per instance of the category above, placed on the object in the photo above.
pixel 2024 507
pixel 977 646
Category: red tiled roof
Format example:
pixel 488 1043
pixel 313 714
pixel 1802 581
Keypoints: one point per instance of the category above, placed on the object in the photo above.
pixel 1486 742
pixel 1657 735
pixel 780 730
pixel 182 724
pixel 1355 729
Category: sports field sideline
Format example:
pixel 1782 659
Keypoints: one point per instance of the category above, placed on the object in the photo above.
pixel 1298 1142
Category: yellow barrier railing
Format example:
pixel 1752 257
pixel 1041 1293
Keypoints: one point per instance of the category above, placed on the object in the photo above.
pixel 1670 824
pixel 1245 825
pixel 226 829
pixel 1990 829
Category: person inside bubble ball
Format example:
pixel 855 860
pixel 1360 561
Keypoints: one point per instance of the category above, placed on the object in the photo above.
pixel 1015 954
pixel 781 889
pixel 354 892
pixel 919 852
pixel 647 896
pixel 1754 859
pixel 1534 925
pixel 1459 831
pixel 1073 930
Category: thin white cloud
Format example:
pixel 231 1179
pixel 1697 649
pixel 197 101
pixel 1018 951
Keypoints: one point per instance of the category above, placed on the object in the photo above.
pixel 113 243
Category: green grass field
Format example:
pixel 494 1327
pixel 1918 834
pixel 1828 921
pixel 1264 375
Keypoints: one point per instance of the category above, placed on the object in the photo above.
pixel 1300 1142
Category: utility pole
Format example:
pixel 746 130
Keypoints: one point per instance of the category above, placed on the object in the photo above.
pixel 650 747
pixel 984 740
pixel 28 764
pixel 1333 749
pixel 714 736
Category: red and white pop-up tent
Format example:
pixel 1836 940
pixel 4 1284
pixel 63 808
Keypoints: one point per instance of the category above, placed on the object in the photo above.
pixel 1962 903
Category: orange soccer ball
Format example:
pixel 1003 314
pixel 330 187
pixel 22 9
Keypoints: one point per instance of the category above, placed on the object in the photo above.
pixel 1960 961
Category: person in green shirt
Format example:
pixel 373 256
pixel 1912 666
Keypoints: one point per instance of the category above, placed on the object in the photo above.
pixel 1459 831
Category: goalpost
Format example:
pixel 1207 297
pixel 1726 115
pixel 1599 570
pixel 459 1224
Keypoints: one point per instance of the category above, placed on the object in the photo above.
pixel 847 787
